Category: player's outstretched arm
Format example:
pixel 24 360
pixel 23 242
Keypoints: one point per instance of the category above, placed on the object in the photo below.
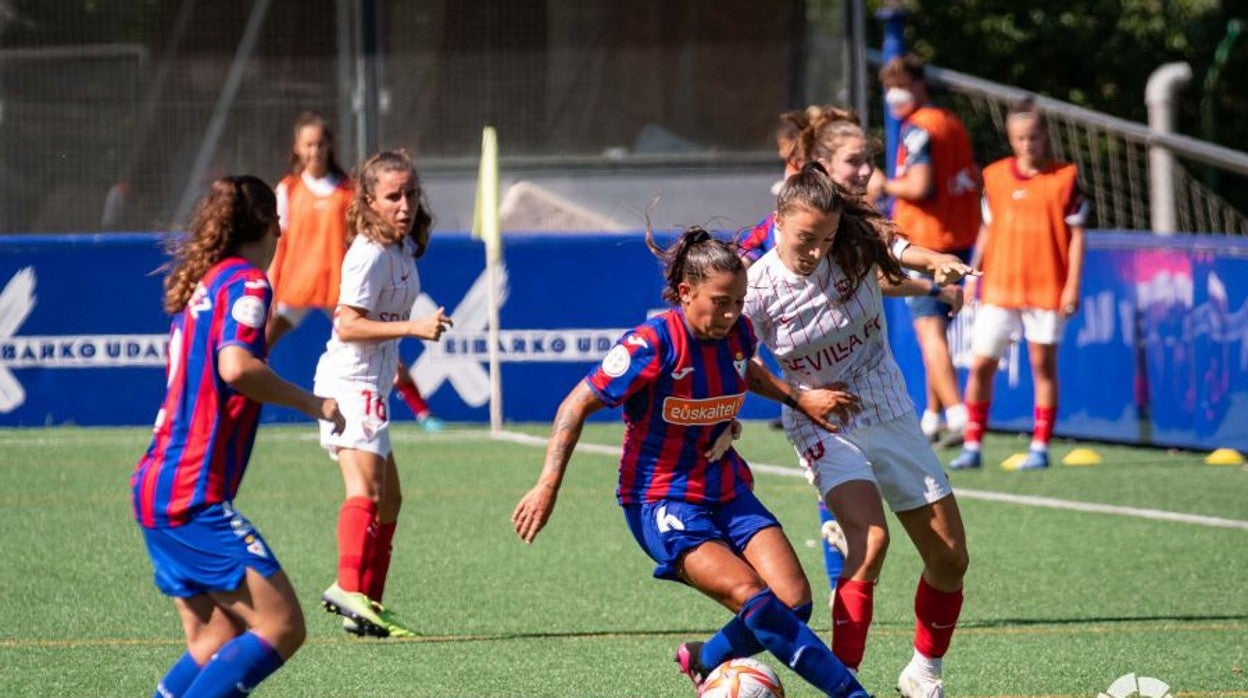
pixel 535 507
pixel 946 268
pixel 253 378
pixel 816 404
pixel 353 325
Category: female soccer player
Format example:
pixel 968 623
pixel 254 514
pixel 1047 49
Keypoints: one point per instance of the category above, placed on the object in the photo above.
pixel 817 305
pixel 935 194
pixel 1031 247
pixel 312 201
pixel 834 138
pixel 239 613
pixel 687 496
pixel 389 224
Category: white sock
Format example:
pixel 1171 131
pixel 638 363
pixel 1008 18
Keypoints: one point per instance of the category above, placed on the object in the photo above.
pixel 1039 447
pixel 955 417
pixel 972 447
pixel 930 422
pixel 931 667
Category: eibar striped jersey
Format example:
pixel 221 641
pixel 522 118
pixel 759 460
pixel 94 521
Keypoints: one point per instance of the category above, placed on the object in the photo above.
pixel 205 428
pixel 820 339
pixel 679 393
pixel 760 239
pixel 381 280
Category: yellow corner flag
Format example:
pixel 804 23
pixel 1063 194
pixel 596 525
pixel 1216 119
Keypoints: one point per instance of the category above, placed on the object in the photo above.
pixel 485 217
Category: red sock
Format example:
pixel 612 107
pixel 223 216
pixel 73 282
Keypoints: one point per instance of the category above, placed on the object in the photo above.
pixel 976 422
pixel 374 577
pixel 1045 416
pixel 355 538
pixel 412 398
pixel 936 614
pixel 851 617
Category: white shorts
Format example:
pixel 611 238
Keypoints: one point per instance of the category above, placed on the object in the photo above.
pixel 894 455
pixel 996 328
pixel 367 411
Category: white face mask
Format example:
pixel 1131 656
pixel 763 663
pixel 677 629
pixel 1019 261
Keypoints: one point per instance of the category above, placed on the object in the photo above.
pixel 897 97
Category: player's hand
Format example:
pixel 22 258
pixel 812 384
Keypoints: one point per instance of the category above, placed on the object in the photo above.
pixel 329 413
pixel 1069 303
pixel 952 297
pixel 970 289
pixel 533 511
pixel 834 400
pixel 949 269
pixel 723 442
pixel 432 326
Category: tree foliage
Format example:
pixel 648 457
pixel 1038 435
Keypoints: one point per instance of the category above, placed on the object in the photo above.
pixel 1095 53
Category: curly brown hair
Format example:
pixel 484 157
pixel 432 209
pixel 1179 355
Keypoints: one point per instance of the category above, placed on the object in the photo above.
pixel 863 234
pixel 234 212
pixel 363 220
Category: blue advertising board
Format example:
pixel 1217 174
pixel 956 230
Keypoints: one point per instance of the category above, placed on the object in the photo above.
pixel 1157 353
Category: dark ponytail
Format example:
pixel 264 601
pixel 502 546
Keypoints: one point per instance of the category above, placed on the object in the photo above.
pixel 692 259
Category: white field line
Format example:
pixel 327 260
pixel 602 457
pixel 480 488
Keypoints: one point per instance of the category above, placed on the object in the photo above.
pixel 985 495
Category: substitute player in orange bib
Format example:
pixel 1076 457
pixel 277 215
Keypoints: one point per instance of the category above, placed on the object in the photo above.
pixel 1031 249
pixel 936 191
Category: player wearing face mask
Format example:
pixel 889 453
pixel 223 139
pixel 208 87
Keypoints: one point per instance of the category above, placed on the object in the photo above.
pixel 935 187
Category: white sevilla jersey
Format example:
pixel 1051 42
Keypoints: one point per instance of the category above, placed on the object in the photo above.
pixel 820 340
pixel 382 280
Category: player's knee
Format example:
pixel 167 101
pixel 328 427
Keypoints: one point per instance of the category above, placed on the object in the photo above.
pixel 793 592
pixel 949 564
pixel 744 590
pixel 286 631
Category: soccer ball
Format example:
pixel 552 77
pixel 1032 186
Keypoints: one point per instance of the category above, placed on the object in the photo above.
pixel 742 678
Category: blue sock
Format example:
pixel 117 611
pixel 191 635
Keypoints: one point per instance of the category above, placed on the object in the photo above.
pixel 236 668
pixel 778 629
pixel 833 560
pixel 179 677
pixel 736 640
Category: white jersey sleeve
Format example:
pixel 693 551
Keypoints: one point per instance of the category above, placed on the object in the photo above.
pixel 283 204
pixel 364 275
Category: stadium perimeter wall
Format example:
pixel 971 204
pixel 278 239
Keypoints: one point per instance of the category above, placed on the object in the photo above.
pixel 1158 354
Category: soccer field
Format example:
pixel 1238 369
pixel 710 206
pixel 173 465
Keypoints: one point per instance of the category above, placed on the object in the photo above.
pixel 1060 599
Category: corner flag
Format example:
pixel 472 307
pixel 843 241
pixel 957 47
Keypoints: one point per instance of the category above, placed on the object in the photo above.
pixel 485 215
pixel 486 226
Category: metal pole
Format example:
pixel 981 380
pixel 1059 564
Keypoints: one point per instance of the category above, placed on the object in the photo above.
pixel 894 19
pixel 343 18
pixel 366 79
pixel 858 51
pixel 1163 85
pixel 221 111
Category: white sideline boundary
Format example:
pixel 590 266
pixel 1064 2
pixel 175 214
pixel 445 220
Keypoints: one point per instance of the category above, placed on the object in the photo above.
pixel 983 495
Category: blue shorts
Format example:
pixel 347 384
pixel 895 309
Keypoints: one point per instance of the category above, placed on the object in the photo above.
pixel 211 552
pixel 668 529
pixel 930 306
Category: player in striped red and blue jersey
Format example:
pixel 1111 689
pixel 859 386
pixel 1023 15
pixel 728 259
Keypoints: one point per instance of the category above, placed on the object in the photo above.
pixel 239 612
pixel 681 378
